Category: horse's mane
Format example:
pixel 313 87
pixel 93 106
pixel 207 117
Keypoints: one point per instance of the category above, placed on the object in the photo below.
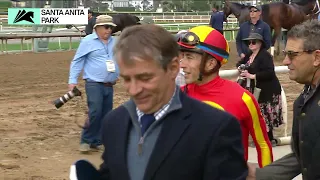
pixel 242 6
pixel 302 2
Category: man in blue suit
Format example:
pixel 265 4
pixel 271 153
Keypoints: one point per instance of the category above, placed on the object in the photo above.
pixel 216 20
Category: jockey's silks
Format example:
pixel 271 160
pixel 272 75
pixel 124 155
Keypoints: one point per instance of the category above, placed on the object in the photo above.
pixel 231 97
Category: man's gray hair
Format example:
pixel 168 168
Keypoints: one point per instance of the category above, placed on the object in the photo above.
pixel 146 42
pixel 309 31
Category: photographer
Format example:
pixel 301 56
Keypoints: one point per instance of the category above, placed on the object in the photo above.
pixel 259 69
pixel 100 72
pixel 91 22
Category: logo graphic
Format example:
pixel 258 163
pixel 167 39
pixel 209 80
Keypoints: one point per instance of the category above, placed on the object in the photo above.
pixel 24 16
pixel 39 16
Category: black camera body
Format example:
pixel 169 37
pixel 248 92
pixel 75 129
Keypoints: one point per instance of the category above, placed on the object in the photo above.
pixel 65 98
pixel 243 67
pixel 241 80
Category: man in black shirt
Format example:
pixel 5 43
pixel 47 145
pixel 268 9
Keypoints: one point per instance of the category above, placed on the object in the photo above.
pixel 91 23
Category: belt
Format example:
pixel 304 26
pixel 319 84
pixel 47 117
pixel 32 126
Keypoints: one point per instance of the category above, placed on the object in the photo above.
pixel 107 84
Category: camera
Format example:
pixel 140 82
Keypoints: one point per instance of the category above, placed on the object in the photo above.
pixel 243 67
pixel 65 98
pixel 242 80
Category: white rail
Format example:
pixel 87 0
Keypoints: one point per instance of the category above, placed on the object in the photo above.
pixel 190 19
pixel 196 21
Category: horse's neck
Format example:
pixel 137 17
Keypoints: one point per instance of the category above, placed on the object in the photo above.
pixel 307 8
pixel 235 9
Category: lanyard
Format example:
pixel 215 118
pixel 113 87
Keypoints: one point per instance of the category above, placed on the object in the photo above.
pixel 105 46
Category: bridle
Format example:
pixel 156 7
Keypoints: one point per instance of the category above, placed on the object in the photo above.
pixel 316 6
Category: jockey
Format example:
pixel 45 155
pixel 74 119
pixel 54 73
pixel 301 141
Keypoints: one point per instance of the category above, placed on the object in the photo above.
pixel 204 50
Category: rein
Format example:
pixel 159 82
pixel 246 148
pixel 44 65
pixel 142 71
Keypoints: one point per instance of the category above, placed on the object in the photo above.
pixel 316 5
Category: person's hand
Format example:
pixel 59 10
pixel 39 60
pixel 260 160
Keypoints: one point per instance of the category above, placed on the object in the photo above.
pixel 242 55
pixel 71 86
pixel 252 171
pixel 246 74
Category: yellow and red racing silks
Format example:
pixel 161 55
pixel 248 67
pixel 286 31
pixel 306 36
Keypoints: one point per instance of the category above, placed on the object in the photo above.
pixel 231 97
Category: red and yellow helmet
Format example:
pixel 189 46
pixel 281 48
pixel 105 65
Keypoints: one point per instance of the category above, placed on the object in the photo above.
pixel 207 39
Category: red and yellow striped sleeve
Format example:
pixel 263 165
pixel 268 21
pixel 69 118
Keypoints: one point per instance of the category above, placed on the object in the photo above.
pixel 257 128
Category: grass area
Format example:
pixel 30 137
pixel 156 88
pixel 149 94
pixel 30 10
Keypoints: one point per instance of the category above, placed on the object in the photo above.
pixel 229 35
pixel 52 46
pixel 65 45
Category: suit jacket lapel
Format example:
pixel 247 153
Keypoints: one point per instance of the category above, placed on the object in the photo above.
pixel 175 124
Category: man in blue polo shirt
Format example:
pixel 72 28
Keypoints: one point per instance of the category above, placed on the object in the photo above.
pixel 254 25
pixel 100 72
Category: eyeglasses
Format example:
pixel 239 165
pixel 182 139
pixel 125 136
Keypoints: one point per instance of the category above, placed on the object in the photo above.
pixel 253 11
pixel 293 54
pixel 253 42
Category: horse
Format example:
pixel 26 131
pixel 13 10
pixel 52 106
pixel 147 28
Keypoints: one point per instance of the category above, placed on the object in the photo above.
pixel 309 7
pixel 122 21
pixel 240 11
pixel 277 15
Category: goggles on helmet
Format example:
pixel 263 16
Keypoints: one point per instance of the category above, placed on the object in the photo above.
pixel 190 41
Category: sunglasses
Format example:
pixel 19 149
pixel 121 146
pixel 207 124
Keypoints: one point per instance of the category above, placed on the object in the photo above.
pixel 293 54
pixel 107 26
pixel 253 42
pixel 253 10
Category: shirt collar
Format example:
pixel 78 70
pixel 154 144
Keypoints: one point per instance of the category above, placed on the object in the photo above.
pixel 95 36
pixel 256 23
pixel 165 107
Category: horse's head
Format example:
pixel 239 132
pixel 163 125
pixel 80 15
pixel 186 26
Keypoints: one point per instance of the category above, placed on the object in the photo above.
pixel 124 20
pixel 28 16
pixel 240 11
pixel 226 10
pixel 314 8
pixel 309 7
pixel 137 19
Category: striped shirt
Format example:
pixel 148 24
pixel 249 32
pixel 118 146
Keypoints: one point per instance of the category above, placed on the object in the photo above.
pixel 159 113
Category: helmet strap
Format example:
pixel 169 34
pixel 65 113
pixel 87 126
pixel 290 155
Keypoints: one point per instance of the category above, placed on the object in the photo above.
pixel 204 59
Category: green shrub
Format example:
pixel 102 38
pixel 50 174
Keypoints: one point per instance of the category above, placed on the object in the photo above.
pixel 5 4
pixel 126 9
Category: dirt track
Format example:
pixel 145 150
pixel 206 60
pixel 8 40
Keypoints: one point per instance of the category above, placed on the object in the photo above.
pixel 39 142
